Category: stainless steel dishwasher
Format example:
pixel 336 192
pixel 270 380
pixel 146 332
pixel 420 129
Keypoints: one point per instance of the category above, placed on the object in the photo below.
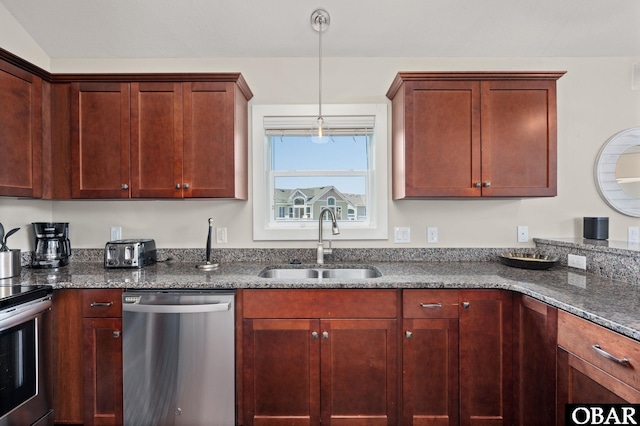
pixel 178 358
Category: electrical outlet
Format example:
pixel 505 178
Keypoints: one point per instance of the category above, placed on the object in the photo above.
pixel 633 235
pixel 116 233
pixel 523 234
pixel 402 235
pixel 432 234
pixel 221 235
pixel 575 261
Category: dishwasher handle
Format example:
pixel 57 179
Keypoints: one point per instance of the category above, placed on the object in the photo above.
pixel 176 309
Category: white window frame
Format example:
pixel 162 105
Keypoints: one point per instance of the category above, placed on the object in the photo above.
pixel 375 229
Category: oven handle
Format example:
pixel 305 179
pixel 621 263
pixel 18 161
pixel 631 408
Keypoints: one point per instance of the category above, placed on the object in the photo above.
pixel 24 313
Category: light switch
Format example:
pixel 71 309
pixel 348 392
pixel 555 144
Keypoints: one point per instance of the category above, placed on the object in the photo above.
pixel 402 235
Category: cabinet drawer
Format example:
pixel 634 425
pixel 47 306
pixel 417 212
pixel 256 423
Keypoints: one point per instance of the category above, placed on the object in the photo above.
pixel 579 336
pixel 320 303
pixel 430 303
pixel 102 303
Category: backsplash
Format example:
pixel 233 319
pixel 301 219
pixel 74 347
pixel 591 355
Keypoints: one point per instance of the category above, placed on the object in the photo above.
pixel 609 259
pixel 612 259
pixel 305 255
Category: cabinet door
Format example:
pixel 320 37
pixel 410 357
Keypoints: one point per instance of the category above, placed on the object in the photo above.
pixel 580 382
pixel 440 152
pixel 535 336
pixel 156 140
pixel 100 140
pixel 102 371
pixel 430 372
pixel 281 372
pixel 519 138
pixel 359 372
pixel 485 357
pixel 67 356
pixel 20 132
pixel 215 140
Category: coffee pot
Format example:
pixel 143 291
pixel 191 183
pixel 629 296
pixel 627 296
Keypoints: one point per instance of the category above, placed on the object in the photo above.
pixel 53 246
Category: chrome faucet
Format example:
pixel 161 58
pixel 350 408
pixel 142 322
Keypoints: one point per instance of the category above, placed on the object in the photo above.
pixel 321 251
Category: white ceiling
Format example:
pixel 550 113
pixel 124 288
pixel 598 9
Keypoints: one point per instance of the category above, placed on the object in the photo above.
pixel 366 28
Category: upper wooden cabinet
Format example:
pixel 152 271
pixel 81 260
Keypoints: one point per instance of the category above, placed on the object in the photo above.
pixel 100 140
pixel 473 134
pixel 21 115
pixel 164 136
pixel 189 140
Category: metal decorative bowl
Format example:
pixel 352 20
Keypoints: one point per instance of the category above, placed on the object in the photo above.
pixel 528 260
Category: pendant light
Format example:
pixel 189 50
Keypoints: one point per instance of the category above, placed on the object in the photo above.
pixel 320 20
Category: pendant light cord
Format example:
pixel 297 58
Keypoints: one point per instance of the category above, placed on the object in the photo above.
pixel 320 22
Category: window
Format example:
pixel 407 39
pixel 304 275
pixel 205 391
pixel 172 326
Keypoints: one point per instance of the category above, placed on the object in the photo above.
pixel 296 175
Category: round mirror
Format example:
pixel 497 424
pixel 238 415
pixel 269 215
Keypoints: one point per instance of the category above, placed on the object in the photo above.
pixel 617 172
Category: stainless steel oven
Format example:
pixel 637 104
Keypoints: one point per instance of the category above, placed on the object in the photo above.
pixel 25 372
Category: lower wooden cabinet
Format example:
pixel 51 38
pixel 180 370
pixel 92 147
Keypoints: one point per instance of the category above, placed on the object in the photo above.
pixel 535 331
pixel 430 367
pixel 485 357
pixel 595 365
pixel 88 357
pixel 337 367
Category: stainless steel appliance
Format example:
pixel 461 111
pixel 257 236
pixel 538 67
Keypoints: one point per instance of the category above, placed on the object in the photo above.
pixel 178 358
pixel 25 355
pixel 130 253
pixel 53 247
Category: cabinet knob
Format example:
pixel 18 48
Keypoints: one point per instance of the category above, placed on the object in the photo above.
pixel 325 334
pixel 124 186
pixel 116 334
pixel 465 305
pixel 178 186
pixel 314 335
pixel 487 184
pixel 477 184
pixel 409 334
pixel 185 186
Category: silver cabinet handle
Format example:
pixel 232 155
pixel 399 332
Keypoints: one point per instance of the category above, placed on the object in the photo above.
pixel 178 186
pixel 465 305
pixel 124 186
pixel 314 335
pixel 325 334
pixel 623 361
pixel 101 304
pixel 487 184
pixel 409 334
pixel 431 305
pixel 185 186
pixel 116 334
pixel 477 184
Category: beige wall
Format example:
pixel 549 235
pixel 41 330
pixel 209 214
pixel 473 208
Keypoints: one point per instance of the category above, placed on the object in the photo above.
pixel 595 101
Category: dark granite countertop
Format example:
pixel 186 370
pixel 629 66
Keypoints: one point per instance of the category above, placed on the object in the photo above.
pixel 613 304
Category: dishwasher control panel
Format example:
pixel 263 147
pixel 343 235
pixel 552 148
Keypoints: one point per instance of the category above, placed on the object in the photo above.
pixel 130 253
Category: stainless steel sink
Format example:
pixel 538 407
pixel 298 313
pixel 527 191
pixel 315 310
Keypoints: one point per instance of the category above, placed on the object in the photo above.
pixel 320 273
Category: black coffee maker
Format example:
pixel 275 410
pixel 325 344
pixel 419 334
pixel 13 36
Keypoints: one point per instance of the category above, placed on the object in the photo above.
pixel 53 247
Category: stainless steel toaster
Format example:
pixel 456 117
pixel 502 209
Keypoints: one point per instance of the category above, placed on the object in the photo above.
pixel 132 253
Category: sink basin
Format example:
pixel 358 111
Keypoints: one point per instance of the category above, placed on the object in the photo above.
pixel 320 273
pixel 285 273
pixel 348 273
